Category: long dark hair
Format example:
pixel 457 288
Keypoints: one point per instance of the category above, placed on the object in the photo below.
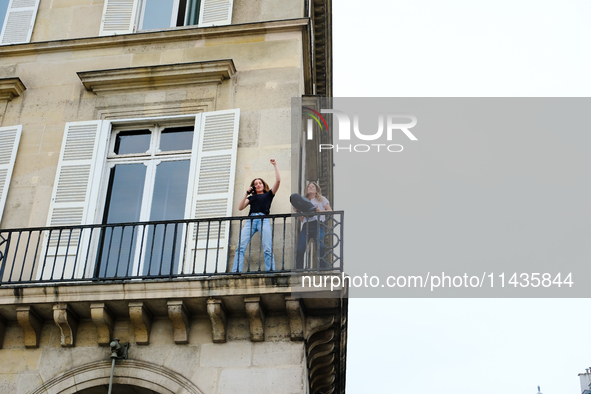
pixel 266 187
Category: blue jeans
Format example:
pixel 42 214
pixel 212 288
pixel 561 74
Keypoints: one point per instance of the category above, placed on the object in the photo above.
pixel 249 229
pixel 311 230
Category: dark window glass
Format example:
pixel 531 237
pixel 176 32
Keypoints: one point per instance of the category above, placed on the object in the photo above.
pixel 137 141
pixel 168 203
pixel 176 138
pixel 193 12
pixel 124 201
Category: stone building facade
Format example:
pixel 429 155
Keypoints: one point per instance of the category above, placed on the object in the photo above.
pixel 101 99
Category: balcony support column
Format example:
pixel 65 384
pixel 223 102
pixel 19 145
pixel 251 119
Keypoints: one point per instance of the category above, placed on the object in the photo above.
pixel 217 316
pixel 141 319
pixel 180 321
pixel 104 322
pixel 295 314
pixel 256 317
pixel 67 320
pixel 31 325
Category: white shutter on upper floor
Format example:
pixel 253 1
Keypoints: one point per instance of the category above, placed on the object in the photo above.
pixel 211 194
pixel 9 139
pixel 215 13
pixel 19 21
pixel 119 17
pixel 72 200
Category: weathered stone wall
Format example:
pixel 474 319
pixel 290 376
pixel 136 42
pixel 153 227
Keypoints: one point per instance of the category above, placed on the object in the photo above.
pixel 67 19
pixel 269 74
pixel 238 366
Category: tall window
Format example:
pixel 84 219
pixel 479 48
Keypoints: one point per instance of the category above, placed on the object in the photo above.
pixel 137 170
pixel 148 179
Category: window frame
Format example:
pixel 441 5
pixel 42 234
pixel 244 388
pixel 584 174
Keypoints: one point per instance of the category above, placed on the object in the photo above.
pixel 111 159
pixel 151 159
pixel 84 153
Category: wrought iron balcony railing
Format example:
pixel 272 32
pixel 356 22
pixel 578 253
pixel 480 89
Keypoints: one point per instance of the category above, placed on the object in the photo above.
pixel 164 249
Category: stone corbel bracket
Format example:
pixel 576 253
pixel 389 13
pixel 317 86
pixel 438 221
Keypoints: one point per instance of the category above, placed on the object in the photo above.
pixel 217 316
pixel 297 318
pixel 255 311
pixel 141 319
pixel 123 80
pixel 67 320
pixel 180 321
pixel 31 325
pixel 320 354
pixel 11 88
pixel 315 324
pixel 2 329
pixel 104 322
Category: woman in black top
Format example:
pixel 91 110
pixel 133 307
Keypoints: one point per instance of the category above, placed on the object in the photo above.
pixel 259 196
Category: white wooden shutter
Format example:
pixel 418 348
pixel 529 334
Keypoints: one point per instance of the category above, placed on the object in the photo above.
pixel 72 200
pixel 19 21
pixel 119 17
pixel 9 139
pixel 214 170
pixel 215 13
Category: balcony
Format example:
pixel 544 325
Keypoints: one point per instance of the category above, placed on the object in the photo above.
pixel 160 250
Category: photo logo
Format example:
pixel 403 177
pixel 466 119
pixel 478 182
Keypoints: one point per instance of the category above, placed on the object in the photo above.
pixel 317 117
pixel 391 123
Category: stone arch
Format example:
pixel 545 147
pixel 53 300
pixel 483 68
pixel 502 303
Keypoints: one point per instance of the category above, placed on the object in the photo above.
pixel 127 372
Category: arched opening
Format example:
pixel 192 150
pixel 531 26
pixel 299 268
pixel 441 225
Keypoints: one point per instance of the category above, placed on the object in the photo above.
pixel 130 377
pixel 117 389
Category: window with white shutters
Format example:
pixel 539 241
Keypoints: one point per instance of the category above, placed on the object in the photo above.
pixel 128 16
pixel 18 20
pixel 9 139
pixel 126 171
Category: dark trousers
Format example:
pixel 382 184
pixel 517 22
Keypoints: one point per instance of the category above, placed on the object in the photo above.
pixel 311 230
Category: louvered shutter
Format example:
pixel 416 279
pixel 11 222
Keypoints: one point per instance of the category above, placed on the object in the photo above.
pixel 119 17
pixel 19 21
pixel 9 139
pixel 72 201
pixel 214 159
pixel 215 13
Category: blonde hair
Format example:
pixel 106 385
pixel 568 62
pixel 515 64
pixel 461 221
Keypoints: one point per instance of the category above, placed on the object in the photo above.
pixel 318 195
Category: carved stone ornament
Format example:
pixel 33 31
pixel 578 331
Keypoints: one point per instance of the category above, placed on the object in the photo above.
pixel 104 322
pixel 180 321
pixel 141 319
pixel 217 316
pixel 67 320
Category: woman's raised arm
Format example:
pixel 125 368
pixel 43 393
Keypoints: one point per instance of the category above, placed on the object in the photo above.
pixel 277 177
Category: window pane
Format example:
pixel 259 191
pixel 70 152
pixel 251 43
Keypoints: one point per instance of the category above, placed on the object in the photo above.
pixel 137 141
pixel 124 201
pixel 176 138
pixel 180 20
pixel 3 8
pixel 193 12
pixel 168 203
pixel 157 14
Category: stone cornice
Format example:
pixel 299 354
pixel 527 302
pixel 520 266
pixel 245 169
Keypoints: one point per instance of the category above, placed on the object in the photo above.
pixel 11 88
pixel 159 37
pixel 168 75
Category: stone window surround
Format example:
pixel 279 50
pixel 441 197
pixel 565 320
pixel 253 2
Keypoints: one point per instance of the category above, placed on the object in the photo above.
pixel 161 76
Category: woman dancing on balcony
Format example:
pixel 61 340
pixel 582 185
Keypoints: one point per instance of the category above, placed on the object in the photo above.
pixel 313 228
pixel 259 196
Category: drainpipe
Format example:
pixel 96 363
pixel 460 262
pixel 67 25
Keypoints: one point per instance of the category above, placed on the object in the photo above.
pixel 118 352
